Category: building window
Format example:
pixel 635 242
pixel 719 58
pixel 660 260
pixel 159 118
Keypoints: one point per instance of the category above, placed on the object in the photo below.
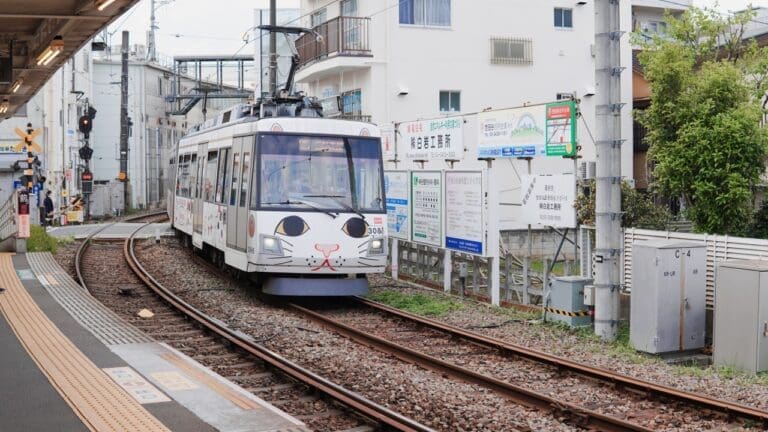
pixel 450 101
pixel 563 18
pixel 654 27
pixel 349 8
pixel 511 51
pixel 435 13
pixel 319 17
pixel 351 103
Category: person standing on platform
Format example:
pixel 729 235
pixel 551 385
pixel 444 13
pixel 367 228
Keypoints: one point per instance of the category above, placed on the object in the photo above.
pixel 48 204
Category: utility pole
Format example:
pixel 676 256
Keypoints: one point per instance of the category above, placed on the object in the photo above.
pixel 123 176
pixel 608 176
pixel 151 52
pixel 272 48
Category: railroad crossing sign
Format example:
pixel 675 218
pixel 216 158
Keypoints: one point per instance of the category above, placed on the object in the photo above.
pixel 27 139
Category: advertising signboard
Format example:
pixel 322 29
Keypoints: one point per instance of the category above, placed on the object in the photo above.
pixel 561 129
pixel 23 209
pixel 387 142
pixel 398 212
pixel 426 207
pixel 530 131
pixel 548 200
pixel 441 138
pixel 464 221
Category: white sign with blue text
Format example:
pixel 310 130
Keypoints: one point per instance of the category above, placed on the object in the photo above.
pixel 549 200
pixel 396 189
pixel 464 221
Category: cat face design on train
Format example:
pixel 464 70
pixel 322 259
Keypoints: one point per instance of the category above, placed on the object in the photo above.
pixel 329 248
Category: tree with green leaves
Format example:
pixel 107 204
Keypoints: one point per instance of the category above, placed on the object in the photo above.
pixel 704 134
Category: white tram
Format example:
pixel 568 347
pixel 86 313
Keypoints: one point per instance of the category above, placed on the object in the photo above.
pixel 295 199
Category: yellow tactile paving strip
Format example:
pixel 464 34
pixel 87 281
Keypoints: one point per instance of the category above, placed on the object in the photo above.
pixel 100 403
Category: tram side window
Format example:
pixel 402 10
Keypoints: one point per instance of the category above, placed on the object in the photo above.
pixel 185 176
pixel 222 178
pixel 245 176
pixel 192 188
pixel 178 176
pixel 235 173
pixel 209 184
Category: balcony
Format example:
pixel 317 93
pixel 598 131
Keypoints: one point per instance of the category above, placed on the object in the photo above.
pixel 344 39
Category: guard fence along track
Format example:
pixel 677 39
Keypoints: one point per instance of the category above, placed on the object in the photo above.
pixel 382 416
pixel 590 397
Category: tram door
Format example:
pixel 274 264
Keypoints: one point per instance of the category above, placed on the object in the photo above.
pixel 246 163
pixel 233 192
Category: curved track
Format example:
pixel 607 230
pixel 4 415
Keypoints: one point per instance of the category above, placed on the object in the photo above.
pixel 371 331
pixel 610 378
pixel 380 414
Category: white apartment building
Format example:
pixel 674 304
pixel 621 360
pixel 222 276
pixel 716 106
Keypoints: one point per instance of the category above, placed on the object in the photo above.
pixel 399 60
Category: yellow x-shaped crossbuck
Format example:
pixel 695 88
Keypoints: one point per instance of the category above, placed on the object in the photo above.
pixel 28 140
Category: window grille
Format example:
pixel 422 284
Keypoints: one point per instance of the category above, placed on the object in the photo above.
pixel 511 51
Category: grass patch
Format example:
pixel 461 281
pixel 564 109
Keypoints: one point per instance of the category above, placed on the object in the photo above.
pixel 40 241
pixel 419 304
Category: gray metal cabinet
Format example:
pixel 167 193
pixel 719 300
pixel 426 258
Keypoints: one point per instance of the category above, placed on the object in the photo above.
pixel 668 302
pixel 566 301
pixel 741 315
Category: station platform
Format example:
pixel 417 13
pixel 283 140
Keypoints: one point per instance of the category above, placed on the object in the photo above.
pixel 70 364
pixel 119 230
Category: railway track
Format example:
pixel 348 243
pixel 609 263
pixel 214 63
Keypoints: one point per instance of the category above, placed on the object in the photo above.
pixel 497 365
pixel 265 373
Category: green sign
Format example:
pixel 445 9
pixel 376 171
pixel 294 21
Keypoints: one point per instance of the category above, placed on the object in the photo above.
pixel 561 129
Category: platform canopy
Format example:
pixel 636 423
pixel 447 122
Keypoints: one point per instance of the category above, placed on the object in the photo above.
pixel 38 36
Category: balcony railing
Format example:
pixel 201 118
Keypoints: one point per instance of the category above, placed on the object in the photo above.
pixel 342 36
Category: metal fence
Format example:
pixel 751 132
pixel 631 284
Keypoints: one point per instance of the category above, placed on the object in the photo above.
pixel 523 278
pixel 8 223
pixel 719 248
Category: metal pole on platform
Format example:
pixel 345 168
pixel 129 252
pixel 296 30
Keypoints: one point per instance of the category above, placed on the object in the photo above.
pixel 124 121
pixel 608 179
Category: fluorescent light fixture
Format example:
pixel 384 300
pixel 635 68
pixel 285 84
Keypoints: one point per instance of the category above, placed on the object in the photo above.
pixel 4 106
pixel 104 4
pixel 17 85
pixel 51 51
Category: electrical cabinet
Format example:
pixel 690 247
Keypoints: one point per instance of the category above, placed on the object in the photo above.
pixel 566 301
pixel 741 315
pixel 668 300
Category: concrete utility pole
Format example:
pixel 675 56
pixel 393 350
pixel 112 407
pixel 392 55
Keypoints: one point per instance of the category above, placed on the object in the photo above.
pixel 124 122
pixel 608 176
pixel 151 50
pixel 272 48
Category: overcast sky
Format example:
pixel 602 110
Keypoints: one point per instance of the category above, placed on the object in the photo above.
pixel 190 27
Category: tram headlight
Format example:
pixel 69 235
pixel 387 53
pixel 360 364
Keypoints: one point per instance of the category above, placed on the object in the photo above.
pixel 271 245
pixel 376 247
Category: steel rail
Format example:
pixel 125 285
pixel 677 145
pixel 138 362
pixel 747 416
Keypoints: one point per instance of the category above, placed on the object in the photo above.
pixel 87 242
pixel 577 415
pixel 353 400
pixel 616 379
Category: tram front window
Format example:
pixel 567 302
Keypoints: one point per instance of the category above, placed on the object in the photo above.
pixel 328 173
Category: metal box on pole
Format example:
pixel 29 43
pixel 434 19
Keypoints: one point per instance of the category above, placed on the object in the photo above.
pixel 741 315
pixel 668 302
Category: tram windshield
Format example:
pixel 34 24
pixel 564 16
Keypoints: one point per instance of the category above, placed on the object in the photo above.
pixel 321 173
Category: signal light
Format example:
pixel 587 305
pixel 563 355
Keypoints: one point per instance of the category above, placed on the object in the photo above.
pixel 86 176
pixel 85 125
pixel 121 176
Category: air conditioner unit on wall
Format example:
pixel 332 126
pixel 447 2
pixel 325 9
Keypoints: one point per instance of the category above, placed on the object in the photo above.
pixel 587 170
